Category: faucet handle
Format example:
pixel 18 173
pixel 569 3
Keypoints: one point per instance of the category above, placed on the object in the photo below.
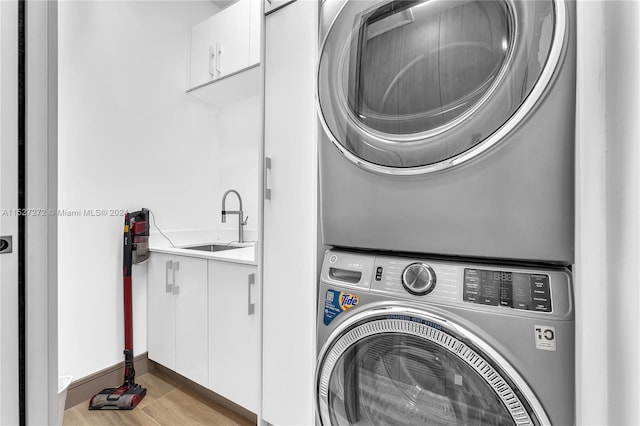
pixel 245 221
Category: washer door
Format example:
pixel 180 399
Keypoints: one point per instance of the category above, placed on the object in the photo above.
pixel 411 87
pixel 397 366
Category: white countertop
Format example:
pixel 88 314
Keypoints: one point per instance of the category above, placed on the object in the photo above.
pixel 180 240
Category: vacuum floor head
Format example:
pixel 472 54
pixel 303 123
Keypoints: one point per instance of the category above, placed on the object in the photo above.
pixel 122 398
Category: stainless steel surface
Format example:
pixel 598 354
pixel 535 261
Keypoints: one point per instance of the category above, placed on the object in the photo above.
pixel 212 247
pixel 218 58
pixel 6 244
pixel 515 200
pixel 241 219
pixel 251 307
pixel 449 290
pixel 212 59
pixel 267 175
pixel 174 267
pixel 168 285
pixel 418 278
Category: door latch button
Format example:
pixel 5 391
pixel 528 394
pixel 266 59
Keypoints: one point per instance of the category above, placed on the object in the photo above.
pixel 6 245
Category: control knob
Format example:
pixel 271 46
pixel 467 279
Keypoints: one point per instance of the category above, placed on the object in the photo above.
pixel 419 279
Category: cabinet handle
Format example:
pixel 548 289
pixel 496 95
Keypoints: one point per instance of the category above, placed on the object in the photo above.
pixel 168 285
pixel 176 288
pixel 267 178
pixel 212 57
pixel 251 306
pixel 218 60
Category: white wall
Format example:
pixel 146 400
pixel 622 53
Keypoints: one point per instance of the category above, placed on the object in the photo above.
pixel 623 213
pixel 239 132
pixel 607 251
pixel 590 271
pixel 129 137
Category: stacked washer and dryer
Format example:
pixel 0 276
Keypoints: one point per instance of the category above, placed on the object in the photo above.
pixel 447 197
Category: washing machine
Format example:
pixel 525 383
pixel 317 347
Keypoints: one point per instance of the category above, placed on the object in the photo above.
pixel 448 127
pixel 418 341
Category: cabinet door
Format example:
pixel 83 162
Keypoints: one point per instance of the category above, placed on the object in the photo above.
pixel 290 218
pixel 231 33
pixel 161 310
pixel 220 45
pixel 202 47
pixel 190 289
pixel 255 31
pixel 234 338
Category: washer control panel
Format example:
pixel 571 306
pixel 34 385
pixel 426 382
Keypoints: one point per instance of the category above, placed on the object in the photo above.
pixel 487 287
pixel 505 288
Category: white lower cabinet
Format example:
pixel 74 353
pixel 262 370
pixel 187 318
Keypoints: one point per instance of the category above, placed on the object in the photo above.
pixel 204 323
pixel 234 333
pixel 177 315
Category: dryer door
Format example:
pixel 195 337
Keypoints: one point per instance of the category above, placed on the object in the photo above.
pixel 412 87
pixel 396 366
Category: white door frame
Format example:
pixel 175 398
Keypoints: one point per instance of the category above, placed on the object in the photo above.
pixel 9 223
pixel 42 231
pixel 40 235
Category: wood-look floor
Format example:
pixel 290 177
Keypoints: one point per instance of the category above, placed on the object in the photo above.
pixel 167 403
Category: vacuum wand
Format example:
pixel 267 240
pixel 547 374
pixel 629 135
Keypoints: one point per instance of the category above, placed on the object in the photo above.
pixel 135 250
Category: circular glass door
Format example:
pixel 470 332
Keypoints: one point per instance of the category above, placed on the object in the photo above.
pixel 410 87
pixel 408 368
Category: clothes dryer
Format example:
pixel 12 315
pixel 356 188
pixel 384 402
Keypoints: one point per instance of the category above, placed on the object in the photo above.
pixel 415 341
pixel 448 127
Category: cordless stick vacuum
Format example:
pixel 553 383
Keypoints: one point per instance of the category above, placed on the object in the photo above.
pixel 136 250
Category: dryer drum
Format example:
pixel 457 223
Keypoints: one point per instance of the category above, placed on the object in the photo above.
pixel 410 87
pixel 402 367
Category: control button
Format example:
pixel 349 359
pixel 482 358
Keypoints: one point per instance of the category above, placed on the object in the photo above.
pixel 542 304
pixel 489 291
pixel 471 285
pixel 489 301
pixel 540 292
pixel 506 294
pixel 379 273
pixel 540 282
pixel 471 273
pixel 419 279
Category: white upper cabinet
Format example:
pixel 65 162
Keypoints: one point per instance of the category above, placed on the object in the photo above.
pixel 226 43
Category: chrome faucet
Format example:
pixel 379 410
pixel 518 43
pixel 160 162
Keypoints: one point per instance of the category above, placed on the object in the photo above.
pixel 239 212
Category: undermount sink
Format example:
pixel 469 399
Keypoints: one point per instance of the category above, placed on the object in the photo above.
pixel 212 247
